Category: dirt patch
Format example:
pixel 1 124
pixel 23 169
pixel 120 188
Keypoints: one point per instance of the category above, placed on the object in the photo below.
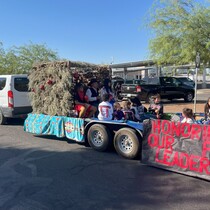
pixel 173 108
pixel 177 106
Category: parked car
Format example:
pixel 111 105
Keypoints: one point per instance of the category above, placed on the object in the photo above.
pixel 168 88
pixel 14 97
pixel 116 79
pixel 187 81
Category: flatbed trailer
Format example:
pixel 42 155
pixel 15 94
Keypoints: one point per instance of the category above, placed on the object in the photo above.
pixel 126 136
pixel 179 147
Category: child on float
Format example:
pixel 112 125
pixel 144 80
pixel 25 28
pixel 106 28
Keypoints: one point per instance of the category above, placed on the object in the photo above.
pixel 128 113
pixel 81 103
pixel 138 109
pixel 141 108
pixel 188 116
pixel 118 113
pixel 105 108
pixel 156 108
pixel 134 109
pixel 207 110
pixel 107 88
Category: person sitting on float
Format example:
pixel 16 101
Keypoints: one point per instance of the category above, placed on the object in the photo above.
pixel 138 97
pixel 188 116
pixel 92 93
pixel 105 109
pixel 156 108
pixel 207 110
pixel 138 109
pixel 118 113
pixel 128 113
pixel 107 88
pixel 81 103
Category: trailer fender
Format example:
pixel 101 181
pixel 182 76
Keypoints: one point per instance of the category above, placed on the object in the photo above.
pixel 114 126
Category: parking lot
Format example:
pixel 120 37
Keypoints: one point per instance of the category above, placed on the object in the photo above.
pixel 50 173
pixel 44 172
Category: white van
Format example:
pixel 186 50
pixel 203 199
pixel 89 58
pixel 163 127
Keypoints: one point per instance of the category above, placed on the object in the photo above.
pixel 14 97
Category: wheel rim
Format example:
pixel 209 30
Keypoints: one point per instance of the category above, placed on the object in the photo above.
pixel 125 144
pixel 189 97
pixel 1 117
pixel 97 138
pixel 149 98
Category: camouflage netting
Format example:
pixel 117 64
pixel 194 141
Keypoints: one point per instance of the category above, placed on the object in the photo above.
pixel 52 85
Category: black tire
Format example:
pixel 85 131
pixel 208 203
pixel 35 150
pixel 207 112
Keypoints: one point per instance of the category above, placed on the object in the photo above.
pixel 2 118
pixel 188 97
pixel 99 137
pixel 148 99
pixel 126 143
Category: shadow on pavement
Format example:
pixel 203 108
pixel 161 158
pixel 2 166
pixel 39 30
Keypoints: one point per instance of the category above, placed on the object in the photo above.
pixel 14 121
pixel 35 178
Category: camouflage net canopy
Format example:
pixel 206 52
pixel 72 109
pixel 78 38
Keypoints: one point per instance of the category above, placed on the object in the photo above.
pixel 52 85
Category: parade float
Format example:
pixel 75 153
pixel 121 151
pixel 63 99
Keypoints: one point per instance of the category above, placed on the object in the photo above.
pixel 166 144
pixel 52 97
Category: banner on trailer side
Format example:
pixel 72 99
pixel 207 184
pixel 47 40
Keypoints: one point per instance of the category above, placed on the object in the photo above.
pixel 179 147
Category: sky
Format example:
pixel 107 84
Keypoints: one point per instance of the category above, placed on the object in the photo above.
pixel 95 31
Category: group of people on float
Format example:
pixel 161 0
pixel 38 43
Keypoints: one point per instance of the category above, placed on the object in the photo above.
pixel 87 100
pixel 102 103
pixel 189 117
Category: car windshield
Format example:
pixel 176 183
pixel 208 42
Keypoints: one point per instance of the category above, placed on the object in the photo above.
pixel 185 79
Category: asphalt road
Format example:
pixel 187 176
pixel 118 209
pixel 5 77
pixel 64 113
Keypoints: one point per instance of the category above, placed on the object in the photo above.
pixel 48 173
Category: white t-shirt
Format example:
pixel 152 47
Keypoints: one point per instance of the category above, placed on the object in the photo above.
pixel 89 95
pixel 188 120
pixel 105 111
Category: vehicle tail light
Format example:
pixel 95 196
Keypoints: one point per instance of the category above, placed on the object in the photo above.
pixel 10 99
pixel 138 88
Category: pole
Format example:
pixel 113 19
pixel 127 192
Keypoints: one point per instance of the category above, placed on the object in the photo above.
pixel 195 98
pixel 197 65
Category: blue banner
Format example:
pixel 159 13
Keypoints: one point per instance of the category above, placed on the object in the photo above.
pixel 71 128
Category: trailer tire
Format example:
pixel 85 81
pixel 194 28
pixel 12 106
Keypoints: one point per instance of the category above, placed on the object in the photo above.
pixel 2 118
pixel 188 97
pixel 99 137
pixel 126 143
pixel 148 99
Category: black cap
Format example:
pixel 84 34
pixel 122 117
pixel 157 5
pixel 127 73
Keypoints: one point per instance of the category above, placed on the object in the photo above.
pixel 93 81
pixel 135 101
